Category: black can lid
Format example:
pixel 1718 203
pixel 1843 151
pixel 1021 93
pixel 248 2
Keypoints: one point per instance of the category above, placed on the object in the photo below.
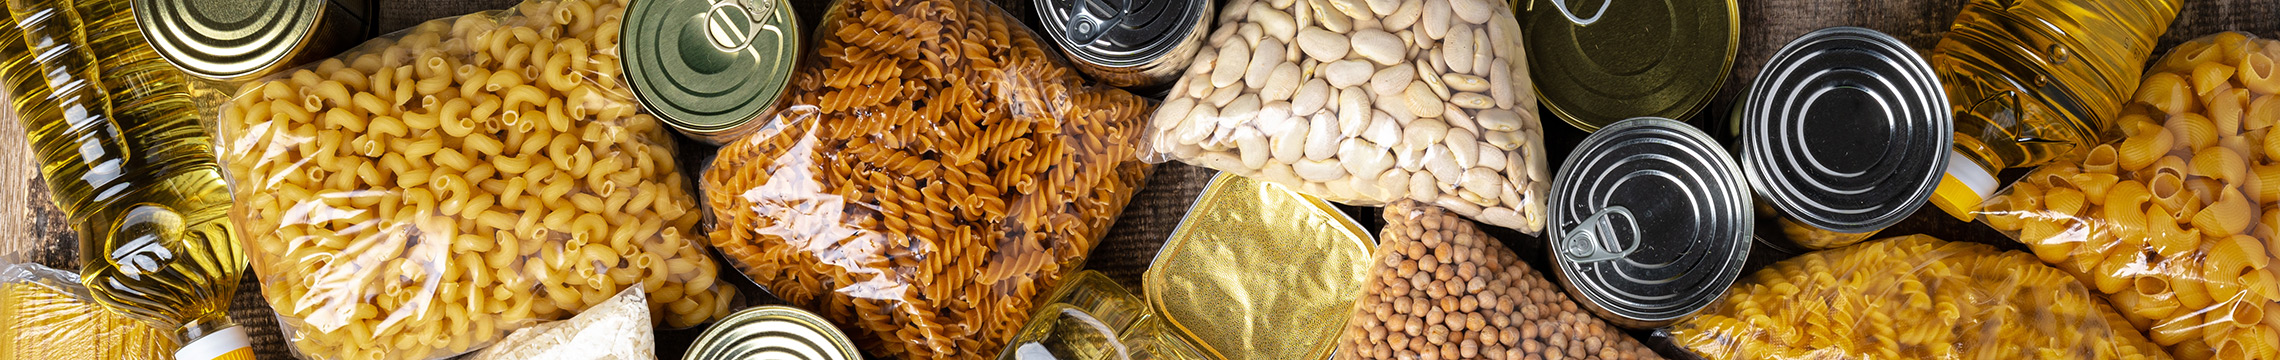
pixel 227 39
pixel 709 66
pixel 1651 222
pixel 1120 33
pixel 1847 130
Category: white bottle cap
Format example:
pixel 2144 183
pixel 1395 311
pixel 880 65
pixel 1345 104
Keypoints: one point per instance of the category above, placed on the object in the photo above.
pixel 228 344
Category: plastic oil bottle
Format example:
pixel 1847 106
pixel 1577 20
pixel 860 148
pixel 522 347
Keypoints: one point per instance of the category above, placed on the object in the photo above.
pixel 119 142
pixel 2030 80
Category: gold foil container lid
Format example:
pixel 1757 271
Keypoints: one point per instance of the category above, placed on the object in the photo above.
pixel 1258 271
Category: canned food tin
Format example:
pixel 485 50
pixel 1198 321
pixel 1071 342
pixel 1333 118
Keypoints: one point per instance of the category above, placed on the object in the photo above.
pixel 1134 44
pixel 1662 59
pixel 709 68
pixel 1259 271
pixel 1845 132
pixel 233 40
pixel 1651 222
pixel 772 332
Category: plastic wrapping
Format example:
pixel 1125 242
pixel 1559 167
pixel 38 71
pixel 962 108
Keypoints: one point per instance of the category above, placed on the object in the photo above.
pixel 423 194
pixel 50 316
pixel 1367 103
pixel 617 329
pixel 1442 289
pixel 1911 297
pixel 2174 223
pixel 937 168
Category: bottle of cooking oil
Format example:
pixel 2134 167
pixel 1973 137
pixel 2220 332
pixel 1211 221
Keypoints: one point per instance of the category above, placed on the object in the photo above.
pixel 2030 80
pixel 120 144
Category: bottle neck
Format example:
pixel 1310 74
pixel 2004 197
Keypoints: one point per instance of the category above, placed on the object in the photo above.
pixel 203 326
pixel 222 343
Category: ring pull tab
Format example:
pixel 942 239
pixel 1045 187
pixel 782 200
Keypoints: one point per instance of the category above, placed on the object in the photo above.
pixel 731 24
pixel 1087 23
pixel 1596 240
pixel 1561 5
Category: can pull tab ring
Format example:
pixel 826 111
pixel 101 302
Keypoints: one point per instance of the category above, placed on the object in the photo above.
pixel 731 24
pixel 1561 5
pixel 1596 240
pixel 1086 24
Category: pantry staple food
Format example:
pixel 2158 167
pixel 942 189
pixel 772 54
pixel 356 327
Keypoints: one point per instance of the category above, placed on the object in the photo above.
pixel 1911 297
pixel 2175 222
pixel 49 316
pixel 1367 102
pixel 1442 289
pixel 424 194
pixel 936 168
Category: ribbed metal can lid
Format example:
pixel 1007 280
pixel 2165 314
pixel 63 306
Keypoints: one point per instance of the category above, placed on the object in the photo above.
pixel 1120 32
pixel 1847 130
pixel 772 332
pixel 709 66
pixel 1651 222
pixel 228 39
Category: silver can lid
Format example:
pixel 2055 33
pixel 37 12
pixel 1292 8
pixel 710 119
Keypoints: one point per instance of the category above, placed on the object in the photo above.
pixel 1120 33
pixel 1651 222
pixel 1846 129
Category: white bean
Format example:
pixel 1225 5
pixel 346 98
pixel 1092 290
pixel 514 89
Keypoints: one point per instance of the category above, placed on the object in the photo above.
pixel 1263 61
pixel 1234 57
pixel 1378 46
pixel 1321 137
pixel 1282 82
pixel 1310 97
pixel 1346 73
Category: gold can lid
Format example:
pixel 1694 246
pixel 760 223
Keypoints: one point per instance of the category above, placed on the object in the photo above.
pixel 772 332
pixel 1596 62
pixel 1259 271
pixel 228 39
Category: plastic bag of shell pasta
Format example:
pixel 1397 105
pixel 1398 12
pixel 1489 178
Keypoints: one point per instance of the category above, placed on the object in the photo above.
pixel 426 193
pixel 2175 222
pixel 1442 289
pixel 1367 102
pixel 922 205
pixel 1911 297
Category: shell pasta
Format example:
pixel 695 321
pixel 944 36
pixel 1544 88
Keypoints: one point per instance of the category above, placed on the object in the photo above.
pixel 2179 230
pixel 424 194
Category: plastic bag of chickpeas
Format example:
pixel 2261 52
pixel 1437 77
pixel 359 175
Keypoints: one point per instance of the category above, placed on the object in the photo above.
pixel 423 194
pixel 922 208
pixel 2174 222
pixel 1910 297
pixel 1442 289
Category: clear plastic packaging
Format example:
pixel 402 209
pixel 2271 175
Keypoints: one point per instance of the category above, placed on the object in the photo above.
pixel 617 329
pixel 1911 297
pixel 424 194
pixel 1442 289
pixel 1365 103
pixel 50 316
pixel 937 167
pixel 2174 224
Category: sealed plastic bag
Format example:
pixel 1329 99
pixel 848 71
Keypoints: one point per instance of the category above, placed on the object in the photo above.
pixel 1442 289
pixel 617 329
pixel 922 205
pixel 426 193
pixel 2174 223
pixel 1911 297
pixel 48 315
pixel 1366 103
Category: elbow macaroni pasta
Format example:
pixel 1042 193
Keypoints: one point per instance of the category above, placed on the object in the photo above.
pixel 922 208
pixel 2179 233
pixel 423 195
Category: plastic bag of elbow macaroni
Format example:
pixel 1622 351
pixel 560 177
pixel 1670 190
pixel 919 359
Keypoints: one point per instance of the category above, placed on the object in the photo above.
pixel 422 195
pixel 922 208
pixel 1365 103
pixel 50 316
pixel 2174 223
pixel 1911 297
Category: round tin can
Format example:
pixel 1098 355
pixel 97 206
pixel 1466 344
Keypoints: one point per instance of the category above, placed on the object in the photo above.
pixel 232 40
pixel 1595 65
pixel 710 68
pixel 1133 44
pixel 1844 133
pixel 1651 222
pixel 772 332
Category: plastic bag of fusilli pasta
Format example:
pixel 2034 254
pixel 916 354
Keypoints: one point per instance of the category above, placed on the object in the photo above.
pixel 1367 103
pixel 1911 297
pixel 2174 223
pixel 922 210
pixel 422 195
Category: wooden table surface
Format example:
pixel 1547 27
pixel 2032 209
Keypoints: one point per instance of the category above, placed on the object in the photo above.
pixel 31 230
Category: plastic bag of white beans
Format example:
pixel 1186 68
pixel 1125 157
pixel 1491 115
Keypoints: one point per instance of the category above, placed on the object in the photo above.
pixel 1367 102
pixel 422 195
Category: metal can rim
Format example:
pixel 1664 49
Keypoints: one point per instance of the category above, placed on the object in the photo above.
pixel 303 27
pixel 1739 240
pixel 1162 44
pixel 712 336
pixel 1725 72
pixel 746 115
pixel 1937 116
